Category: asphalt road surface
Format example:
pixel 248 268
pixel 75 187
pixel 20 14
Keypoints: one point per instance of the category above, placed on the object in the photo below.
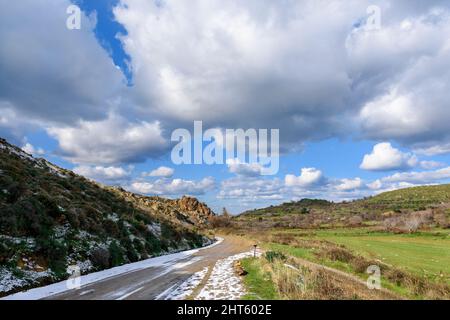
pixel 152 283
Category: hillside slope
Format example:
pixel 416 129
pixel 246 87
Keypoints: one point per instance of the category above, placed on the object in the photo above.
pixel 316 213
pixel 412 198
pixel 51 218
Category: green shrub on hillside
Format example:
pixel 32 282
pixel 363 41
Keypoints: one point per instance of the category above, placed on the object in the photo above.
pixel 56 219
pixel 271 256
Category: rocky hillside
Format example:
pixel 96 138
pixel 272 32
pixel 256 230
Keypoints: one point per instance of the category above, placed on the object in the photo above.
pixel 51 218
pixel 187 211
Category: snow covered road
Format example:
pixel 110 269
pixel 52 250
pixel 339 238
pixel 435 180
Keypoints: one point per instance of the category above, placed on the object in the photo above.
pixel 222 283
pixel 157 278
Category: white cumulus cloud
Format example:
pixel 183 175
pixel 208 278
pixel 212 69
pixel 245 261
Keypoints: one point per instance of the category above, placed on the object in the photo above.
pixel 103 174
pixel 385 157
pixel 412 57
pixel 114 140
pixel 175 187
pixel 423 177
pixel 161 172
pixel 308 177
pixel 252 189
pixel 244 169
pixel 349 184
pixel 60 75
pixel 431 164
pixel 434 149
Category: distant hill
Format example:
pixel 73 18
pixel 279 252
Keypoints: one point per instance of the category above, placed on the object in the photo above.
pixel 51 218
pixel 294 207
pixel 415 198
pixel 316 212
pixel 412 198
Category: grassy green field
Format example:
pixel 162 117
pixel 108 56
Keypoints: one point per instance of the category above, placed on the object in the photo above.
pixel 257 282
pixel 309 254
pixel 405 232
pixel 425 253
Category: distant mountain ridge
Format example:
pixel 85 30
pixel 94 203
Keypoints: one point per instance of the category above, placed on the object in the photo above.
pixel 51 218
pixel 414 198
pixel 314 213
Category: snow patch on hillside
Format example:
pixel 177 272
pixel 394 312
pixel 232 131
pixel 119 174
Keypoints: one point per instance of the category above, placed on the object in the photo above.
pixel 9 281
pixel 155 228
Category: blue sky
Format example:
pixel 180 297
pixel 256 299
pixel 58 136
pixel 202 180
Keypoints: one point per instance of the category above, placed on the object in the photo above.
pixel 107 30
pixel 361 108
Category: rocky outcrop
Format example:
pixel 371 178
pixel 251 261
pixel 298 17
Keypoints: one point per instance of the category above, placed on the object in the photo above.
pixel 187 211
pixel 198 210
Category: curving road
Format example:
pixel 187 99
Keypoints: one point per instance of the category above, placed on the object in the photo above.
pixel 155 282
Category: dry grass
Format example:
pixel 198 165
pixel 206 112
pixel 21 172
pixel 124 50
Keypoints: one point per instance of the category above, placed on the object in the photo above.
pixel 339 254
pixel 328 251
pixel 416 285
pixel 295 281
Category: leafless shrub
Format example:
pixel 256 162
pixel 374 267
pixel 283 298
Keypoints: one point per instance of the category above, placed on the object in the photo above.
pixel 360 265
pixel 317 223
pixel 391 223
pixel 222 221
pixel 370 216
pixel 339 254
pixel 285 239
pixel 409 223
pixel 355 221
pixel 441 219
pixel 396 276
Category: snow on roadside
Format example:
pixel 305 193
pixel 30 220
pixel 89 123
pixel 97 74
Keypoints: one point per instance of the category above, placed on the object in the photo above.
pixel 60 287
pixel 183 291
pixel 223 283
